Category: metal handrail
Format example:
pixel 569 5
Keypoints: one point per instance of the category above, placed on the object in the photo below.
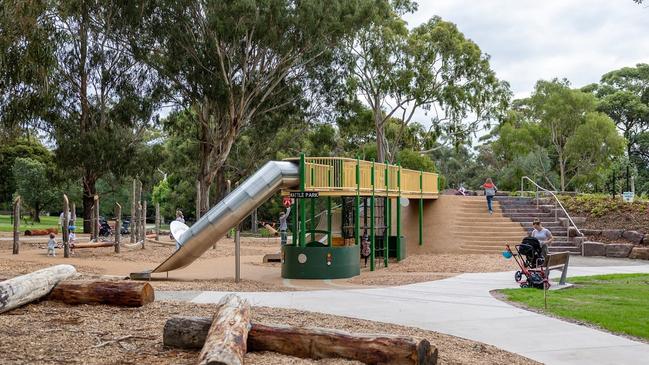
pixel 556 200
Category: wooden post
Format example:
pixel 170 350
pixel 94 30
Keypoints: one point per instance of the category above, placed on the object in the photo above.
pixel 138 223
pixel 118 226
pixel 157 221
pixel 144 222
pixel 27 288
pixel 226 341
pixel 66 239
pixel 93 227
pixel 133 210
pixel 16 212
pixel 96 222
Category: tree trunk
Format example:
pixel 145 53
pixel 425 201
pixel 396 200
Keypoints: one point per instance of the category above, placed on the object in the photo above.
pixel 313 343
pixel 133 209
pixel 562 171
pixel 225 342
pixel 143 233
pixel 27 288
pixel 117 293
pixel 89 191
pixel 96 216
pixel 37 213
pixel 380 129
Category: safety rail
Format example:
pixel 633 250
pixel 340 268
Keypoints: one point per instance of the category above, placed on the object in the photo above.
pixel 347 176
pixel 557 202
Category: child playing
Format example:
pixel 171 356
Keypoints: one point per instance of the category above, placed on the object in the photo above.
pixel 51 245
pixel 71 238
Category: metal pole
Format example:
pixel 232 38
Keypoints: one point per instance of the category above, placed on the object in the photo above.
pixel 357 208
pixel 329 212
pixel 421 208
pixel 313 202
pixel 301 202
pixel 118 226
pixel 399 216
pixel 373 233
pixel 16 228
pixel 237 254
pixel 388 216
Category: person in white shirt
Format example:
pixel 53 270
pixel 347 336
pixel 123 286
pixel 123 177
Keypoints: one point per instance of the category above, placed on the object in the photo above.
pixel 541 233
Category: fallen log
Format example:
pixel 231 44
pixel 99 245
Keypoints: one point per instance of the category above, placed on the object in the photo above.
pixel 93 245
pixel 225 341
pixel 27 288
pixel 41 232
pixel 117 293
pixel 313 343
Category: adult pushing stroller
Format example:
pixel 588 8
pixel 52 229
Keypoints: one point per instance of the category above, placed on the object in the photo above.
pixel 530 256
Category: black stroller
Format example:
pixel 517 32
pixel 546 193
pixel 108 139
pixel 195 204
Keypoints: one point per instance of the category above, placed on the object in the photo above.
pixel 530 256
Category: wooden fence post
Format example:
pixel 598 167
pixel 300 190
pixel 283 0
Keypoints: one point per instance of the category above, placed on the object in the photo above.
pixel 157 221
pixel 143 223
pixel 133 211
pixel 95 223
pixel 16 212
pixel 118 226
pixel 66 222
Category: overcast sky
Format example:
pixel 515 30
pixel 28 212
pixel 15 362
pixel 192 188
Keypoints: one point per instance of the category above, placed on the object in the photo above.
pixel 531 40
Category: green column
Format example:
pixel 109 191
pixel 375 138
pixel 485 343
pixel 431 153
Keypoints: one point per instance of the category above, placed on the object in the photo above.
pixel 372 232
pixel 357 208
pixel 313 202
pixel 301 202
pixel 388 217
pixel 294 216
pixel 421 208
pixel 399 216
pixel 329 212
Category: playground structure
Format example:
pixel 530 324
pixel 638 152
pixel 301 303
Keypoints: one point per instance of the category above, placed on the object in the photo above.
pixel 368 193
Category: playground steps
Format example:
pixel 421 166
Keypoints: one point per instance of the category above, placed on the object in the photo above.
pixel 524 211
pixel 477 231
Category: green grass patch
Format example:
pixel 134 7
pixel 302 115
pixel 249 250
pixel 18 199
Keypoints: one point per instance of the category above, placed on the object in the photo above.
pixel 618 303
pixel 6 224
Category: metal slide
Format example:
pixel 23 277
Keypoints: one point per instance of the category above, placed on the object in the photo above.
pixel 258 188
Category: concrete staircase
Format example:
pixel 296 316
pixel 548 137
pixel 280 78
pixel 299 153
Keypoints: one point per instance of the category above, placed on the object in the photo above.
pixel 477 231
pixel 525 210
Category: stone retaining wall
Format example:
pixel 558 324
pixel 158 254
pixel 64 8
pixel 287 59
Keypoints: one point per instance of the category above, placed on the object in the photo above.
pixel 637 248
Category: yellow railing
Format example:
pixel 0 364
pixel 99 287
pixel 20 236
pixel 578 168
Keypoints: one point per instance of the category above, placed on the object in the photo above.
pixel 346 175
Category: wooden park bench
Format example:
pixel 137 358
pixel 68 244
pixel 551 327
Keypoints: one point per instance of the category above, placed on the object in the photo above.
pixel 556 261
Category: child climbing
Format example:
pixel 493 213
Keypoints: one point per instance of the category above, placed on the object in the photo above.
pixel 51 245
pixel 490 190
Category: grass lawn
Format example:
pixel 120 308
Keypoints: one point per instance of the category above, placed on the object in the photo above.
pixel 6 224
pixel 618 303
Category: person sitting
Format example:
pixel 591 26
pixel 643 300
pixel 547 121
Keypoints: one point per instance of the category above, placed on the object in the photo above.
pixel 542 234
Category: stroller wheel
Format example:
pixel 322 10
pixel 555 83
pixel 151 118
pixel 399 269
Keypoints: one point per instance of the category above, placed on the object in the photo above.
pixel 518 276
pixel 525 285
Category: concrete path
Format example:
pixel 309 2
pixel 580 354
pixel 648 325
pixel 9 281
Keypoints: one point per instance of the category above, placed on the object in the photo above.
pixel 462 306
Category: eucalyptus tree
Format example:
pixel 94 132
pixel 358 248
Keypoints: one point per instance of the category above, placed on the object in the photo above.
pixel 433 67
pixel 26 61
pixel 104 98
pixel 233 61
